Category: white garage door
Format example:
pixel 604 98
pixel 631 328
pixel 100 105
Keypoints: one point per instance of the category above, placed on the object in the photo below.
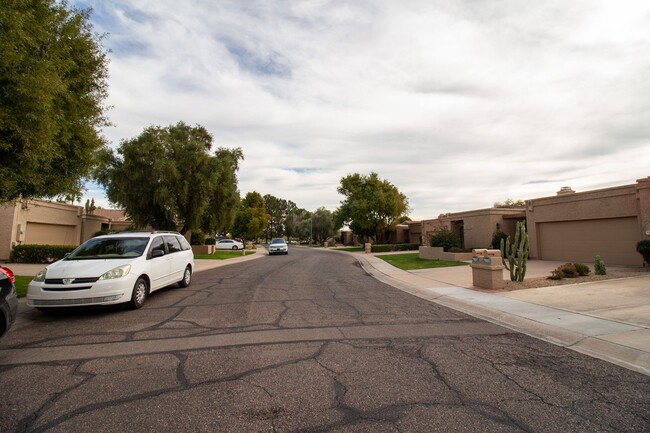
pixel 614 239
pixel 51 234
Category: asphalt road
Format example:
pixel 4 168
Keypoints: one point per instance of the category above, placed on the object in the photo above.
pixel 301 343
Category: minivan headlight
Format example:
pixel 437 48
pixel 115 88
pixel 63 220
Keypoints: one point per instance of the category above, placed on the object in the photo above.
pixel 118 272
pixel 40 275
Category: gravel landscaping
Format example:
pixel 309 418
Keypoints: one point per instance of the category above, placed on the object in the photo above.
pixel 532 283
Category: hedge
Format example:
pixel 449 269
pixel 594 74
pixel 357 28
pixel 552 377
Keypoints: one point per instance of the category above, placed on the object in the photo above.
pixel 384 248
pixel 39 253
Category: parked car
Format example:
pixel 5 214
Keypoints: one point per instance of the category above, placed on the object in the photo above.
pixel 114 269
pixel 278 246
pixel 8 299
pixel 228 244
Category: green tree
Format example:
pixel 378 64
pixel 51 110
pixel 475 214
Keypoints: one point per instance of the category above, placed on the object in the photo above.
pixel 53 83
pixel 277 209
pixel 251 219
pixel 371 205
pixel 165 177
pixel 224 200
pixel 322 225
pixel 297 224
pixel 510 203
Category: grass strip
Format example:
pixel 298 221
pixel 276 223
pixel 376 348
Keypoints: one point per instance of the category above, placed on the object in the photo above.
pixel 409 262
pixel 222 255
pixel 21 284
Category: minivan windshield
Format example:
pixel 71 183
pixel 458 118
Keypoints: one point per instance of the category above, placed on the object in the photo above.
pixel 109 248
pixel 278 241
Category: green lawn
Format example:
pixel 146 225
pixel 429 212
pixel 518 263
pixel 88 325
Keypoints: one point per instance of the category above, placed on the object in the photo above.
pixel 21 284
pixel 351 249
pixel 222 255
pixel 413 261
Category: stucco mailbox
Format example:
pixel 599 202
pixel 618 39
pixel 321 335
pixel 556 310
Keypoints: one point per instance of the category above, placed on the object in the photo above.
pixel 487 269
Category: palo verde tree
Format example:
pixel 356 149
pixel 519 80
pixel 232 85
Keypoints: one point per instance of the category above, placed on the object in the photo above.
pixel 165 178
pixel 251 219
pixel 53 83
pixel 371 205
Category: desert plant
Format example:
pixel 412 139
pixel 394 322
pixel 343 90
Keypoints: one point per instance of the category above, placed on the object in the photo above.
pixel 496 239
pixel 583 270
pixel 569 270
pixel 515 255
pixel 599 266
pixel 444 238
pixel 643 247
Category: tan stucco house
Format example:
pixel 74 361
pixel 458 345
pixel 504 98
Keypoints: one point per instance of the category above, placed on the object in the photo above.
pixel 51 223
pixel 569 226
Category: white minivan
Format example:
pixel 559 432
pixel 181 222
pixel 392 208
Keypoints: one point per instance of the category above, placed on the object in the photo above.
pixel 112 269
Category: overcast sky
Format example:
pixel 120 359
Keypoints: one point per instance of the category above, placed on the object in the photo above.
pixel 457 103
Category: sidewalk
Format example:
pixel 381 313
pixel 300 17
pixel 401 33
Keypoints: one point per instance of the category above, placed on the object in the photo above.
pixel 607 319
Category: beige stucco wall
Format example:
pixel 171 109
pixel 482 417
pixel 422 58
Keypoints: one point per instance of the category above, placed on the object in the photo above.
pixel 41 214
pixel 91 224
pixel 643 200
pixel 577 226
pixel 43 222
pixel 7 229
pixel 478 225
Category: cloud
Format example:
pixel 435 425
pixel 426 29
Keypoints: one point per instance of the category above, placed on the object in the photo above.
pixel 458 104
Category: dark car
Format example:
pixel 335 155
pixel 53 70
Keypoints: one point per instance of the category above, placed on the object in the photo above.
pixel 8 299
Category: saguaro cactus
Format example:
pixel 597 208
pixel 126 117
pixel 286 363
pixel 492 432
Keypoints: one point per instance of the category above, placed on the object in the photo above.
pixel 515 255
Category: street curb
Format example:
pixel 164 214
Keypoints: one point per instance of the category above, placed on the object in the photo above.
pixel 593 346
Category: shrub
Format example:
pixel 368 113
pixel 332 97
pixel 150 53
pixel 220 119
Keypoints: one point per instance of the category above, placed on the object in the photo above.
pixel 599 266
pixel 496 239
pixel 444 238
pixel 197 238
pixel 569 270
pixel 643 247
pixel 210 241
pixel 384 248
pixel 39 253
pixel 583 270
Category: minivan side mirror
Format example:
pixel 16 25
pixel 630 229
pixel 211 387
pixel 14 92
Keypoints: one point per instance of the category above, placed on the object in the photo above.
pixel 157 253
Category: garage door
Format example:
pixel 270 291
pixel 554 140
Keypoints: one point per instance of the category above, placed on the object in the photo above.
pixel 51 234
pixel 614 239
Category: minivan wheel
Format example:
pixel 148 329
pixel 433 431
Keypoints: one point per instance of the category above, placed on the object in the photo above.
pixel 187 277
pixel 139 295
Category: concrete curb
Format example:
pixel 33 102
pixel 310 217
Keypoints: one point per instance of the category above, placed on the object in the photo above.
pixel 590 336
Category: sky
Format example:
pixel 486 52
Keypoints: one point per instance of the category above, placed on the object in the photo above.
pixel 459 104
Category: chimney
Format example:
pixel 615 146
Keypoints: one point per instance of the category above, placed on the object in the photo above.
pixel 565 190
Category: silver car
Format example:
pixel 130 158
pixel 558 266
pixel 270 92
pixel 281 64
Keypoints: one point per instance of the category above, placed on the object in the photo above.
pixel 278 246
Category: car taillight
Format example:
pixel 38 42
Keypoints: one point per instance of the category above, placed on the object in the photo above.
pixel 8 272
